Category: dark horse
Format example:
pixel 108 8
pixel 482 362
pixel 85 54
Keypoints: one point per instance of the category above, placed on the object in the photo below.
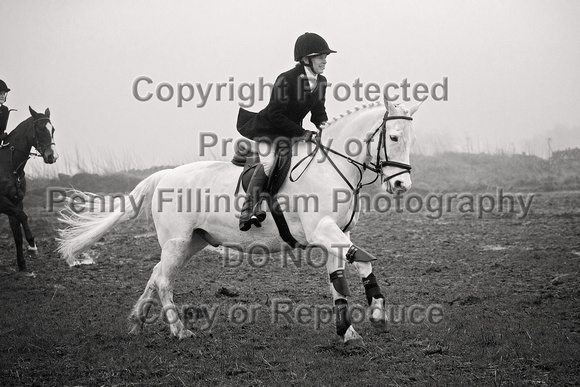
pixel 36 131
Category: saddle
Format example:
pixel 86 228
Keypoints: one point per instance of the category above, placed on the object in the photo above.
pixel 247 158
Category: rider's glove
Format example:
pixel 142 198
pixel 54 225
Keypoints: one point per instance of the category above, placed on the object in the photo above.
pixel 310 136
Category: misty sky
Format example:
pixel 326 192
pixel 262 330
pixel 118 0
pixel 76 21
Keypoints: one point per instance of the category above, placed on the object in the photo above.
pixel 511 68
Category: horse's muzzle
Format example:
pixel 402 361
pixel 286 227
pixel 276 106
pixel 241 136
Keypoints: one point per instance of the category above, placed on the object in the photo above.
pixel 50 156
pixel 397 185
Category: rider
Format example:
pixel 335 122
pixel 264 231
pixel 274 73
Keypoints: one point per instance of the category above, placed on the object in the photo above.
pixel 296 93
pixel 4 111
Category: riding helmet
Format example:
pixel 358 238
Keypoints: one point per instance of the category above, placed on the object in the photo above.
pixel 3 86
pixel 310 44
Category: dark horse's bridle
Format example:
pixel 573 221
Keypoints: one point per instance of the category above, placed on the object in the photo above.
pixel 376 166
pixel 40 147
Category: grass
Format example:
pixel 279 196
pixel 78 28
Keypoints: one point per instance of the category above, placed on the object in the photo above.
pixel 453 172
pixel 511 314
pixel 510 318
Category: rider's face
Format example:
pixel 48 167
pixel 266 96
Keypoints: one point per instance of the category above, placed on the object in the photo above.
pixel 3 95
pixel 318 63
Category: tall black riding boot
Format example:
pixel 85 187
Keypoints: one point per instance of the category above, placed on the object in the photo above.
pixel 259 213
pixel 257 183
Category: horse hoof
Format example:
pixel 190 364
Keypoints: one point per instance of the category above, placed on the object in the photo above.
pixel 32 251
pixel 352 338
pixel 355 343
pixel 136 330
pixel 379 325
pixel 184 334
pixel 377 314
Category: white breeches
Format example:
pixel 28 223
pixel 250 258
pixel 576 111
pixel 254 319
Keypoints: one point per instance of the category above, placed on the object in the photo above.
pixel 267 156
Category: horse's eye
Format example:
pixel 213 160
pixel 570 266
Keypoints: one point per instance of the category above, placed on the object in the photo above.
pixel 394 138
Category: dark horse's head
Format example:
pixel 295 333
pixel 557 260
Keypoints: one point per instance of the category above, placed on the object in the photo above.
pixel 43 135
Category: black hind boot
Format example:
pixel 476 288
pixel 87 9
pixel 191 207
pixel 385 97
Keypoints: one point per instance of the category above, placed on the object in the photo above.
pixel 255 187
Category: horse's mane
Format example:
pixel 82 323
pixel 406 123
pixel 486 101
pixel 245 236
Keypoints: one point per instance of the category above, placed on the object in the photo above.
pixel 20 125
pixel 367 107
pixel 356 109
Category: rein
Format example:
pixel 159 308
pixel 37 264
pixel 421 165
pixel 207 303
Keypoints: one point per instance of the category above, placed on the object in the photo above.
pixel 376 167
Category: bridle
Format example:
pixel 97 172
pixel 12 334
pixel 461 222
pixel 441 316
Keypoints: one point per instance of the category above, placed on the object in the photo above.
pixel 39 146
pixel 376 166
pixel 383 144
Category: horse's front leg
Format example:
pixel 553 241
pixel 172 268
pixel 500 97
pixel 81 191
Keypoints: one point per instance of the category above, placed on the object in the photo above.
pixel 32 249
pixel 375 298
pixel 361 260
pixel 328 235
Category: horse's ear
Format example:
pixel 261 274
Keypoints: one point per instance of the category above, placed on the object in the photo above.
pixel 413 109
pixel 47 112
pixel 390 107
pixel 32 112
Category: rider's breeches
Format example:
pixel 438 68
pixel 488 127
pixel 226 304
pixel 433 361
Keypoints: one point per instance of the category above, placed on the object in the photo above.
pixel 267 156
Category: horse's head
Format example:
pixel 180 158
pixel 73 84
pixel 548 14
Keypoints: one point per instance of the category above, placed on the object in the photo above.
pixel 397 137
pixel 43 135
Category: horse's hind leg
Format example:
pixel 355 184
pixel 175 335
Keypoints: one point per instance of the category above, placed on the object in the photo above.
pixel 174 255
pixel 141 309
pixel 17 234
pixel 17 217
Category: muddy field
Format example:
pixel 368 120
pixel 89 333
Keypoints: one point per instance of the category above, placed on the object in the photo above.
pixel 507 287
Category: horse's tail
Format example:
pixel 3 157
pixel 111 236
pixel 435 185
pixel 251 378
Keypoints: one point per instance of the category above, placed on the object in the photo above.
pixel 87 224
